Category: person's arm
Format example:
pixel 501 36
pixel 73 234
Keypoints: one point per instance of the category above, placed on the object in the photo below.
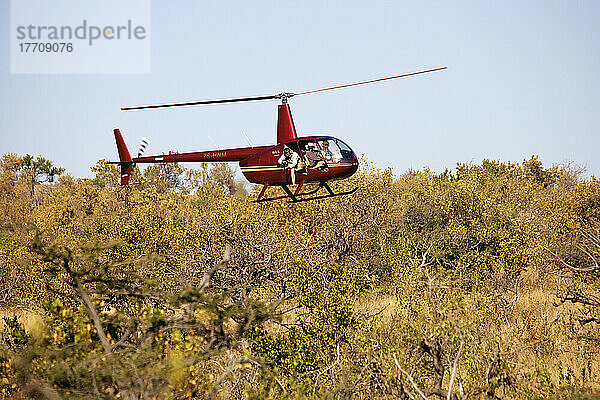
pixel 337 156
pixel 293 162
pixel 282 161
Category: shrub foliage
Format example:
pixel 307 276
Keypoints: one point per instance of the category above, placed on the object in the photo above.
pixel 480 282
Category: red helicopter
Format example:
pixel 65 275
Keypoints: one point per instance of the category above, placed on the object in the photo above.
pixel 293 160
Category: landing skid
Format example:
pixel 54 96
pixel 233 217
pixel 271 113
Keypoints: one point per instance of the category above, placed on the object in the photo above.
pixel 301 197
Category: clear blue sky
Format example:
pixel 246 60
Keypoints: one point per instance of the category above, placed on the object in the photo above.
pixel 522 80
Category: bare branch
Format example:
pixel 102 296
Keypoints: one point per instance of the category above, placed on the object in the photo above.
pixel 89 305
pixel 124 337
pixel 233 361
pixel 587 337
pixel 462 342
pixel 337 361
pixel 208 276
pixel 583 248
pixel 410 379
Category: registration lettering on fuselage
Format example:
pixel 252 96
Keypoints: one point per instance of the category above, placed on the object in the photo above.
pixel 216 154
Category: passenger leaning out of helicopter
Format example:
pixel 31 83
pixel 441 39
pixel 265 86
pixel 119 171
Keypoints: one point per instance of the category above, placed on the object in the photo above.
pixel 314 159
pixel 291 160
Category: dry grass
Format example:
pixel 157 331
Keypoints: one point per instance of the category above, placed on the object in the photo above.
pixel 536 335
pixel 381 305
pixel 541 336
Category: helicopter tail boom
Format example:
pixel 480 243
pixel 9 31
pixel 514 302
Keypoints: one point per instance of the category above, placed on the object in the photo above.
pixel 126 162
pixel 224 155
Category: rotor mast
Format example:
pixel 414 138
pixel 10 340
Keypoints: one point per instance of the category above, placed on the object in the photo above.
pixel 286 130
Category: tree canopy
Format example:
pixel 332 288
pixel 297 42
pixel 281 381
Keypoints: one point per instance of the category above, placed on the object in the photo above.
pixel 478 282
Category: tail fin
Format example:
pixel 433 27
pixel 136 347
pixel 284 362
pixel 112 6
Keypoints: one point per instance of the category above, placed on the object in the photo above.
pixel 126 162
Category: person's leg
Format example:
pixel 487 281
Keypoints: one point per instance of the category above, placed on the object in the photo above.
pixel 320 165
pixel 293 172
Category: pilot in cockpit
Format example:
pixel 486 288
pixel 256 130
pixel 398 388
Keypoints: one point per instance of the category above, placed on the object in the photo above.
pixel 326 152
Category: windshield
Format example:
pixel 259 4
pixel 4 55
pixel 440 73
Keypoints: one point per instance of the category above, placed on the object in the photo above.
pixel 335 151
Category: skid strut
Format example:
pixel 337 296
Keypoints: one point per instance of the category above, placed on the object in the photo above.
pixel 297 197
pixel 262 192
pixel 299 188
pixel 289 193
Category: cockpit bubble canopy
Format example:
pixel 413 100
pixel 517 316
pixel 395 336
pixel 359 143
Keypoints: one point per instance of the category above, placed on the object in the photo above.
pixel 334 150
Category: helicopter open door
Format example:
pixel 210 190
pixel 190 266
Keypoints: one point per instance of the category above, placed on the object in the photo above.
pixel 323 158
pixel 311 155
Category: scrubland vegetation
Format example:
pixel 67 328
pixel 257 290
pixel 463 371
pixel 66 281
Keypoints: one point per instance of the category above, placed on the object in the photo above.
pixel 480 282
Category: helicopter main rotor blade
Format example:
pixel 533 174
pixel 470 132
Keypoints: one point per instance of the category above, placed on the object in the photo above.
pixel 282 96
pixel 195 103
pixel 370 81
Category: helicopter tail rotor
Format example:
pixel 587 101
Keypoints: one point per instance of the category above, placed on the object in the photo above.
pixel 143 144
